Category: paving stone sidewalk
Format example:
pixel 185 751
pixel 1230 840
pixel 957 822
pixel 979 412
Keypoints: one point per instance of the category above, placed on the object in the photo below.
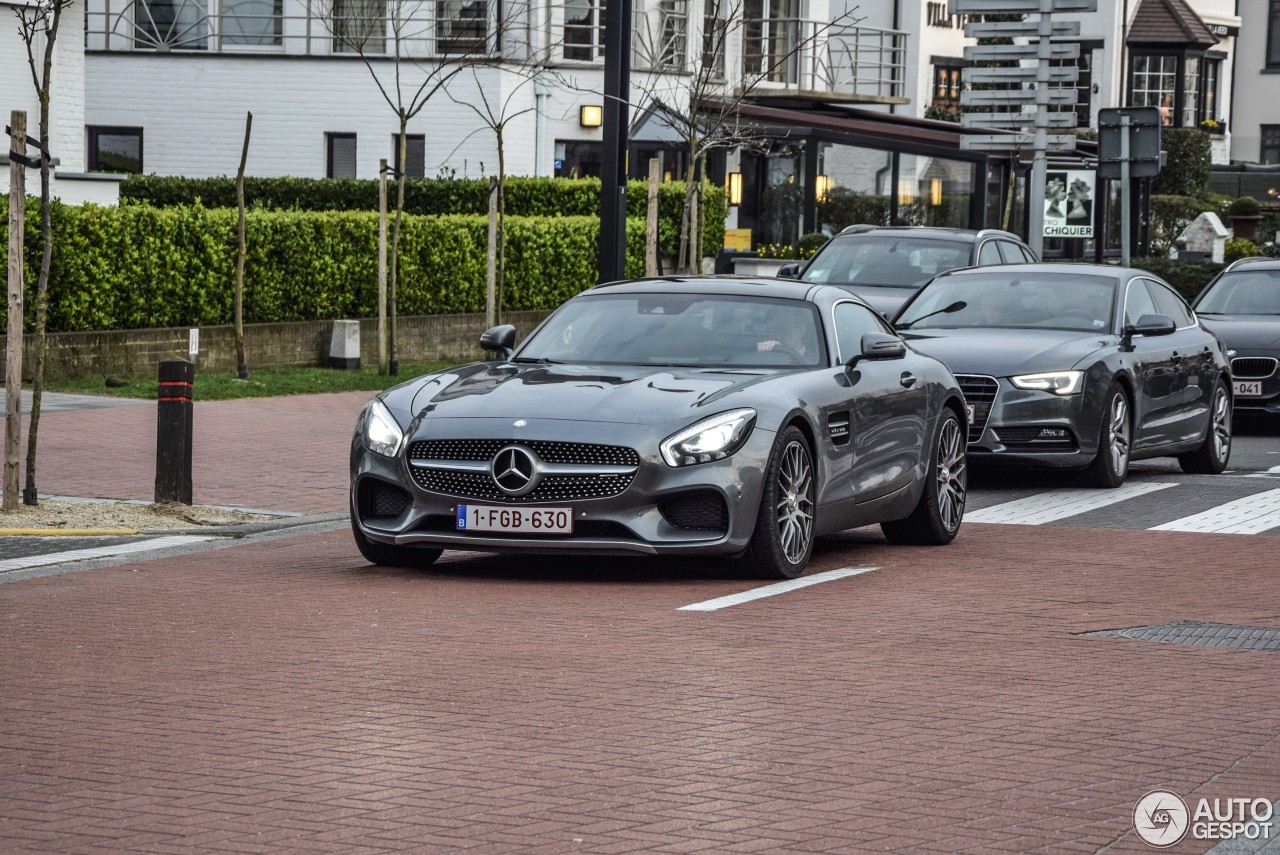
pixel 286 453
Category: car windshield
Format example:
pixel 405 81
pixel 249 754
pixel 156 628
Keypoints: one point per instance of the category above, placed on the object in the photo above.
pixel 681 330
pixel 1068 301
pixel 1253 292
pixel 891 261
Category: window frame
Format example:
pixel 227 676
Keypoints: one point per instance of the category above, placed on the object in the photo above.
pixel 457 35
pixel 1272 56
pixel 882 325
pixel 1269 143
pixel 330 137
pixel 592 27
pixel 409 166
pixel 93 159
pixel 1184 111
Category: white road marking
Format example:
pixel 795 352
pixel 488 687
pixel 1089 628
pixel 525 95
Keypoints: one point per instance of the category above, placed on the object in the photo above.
pixel 98 552
pixel 1250 515
pixel 1059 504
pixel 1272 472
pixel 772 590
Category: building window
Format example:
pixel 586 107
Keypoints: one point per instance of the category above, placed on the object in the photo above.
pixel 415 160
pixel 340 155
pixel 115 149
pixel 252 22
pixel 584 30
pixel 578 159
pixel 674 24
pixel 360 26
pixel 1269 152
pixel 715 31
pixel 1209 83
pixel 1155 84
pixel 462 26
pixel 1273 35
pixel 171 24
pixel 1084 85
pixel 946 85
pixel 771 35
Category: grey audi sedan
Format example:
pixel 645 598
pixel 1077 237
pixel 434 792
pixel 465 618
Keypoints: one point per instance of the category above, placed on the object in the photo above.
pixel 678 416
pixel 1242 305
pixel 1077 366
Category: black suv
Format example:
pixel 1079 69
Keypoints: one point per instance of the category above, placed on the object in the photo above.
pixel 885 265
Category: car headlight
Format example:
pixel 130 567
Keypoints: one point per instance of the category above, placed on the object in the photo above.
pixel 714 438
pixel 381 432
pixel 1057 382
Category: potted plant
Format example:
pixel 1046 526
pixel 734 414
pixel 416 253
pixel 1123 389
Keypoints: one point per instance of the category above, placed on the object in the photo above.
pixel 1218 127
pixel 1245 212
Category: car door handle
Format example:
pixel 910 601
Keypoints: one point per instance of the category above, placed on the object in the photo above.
pixel 908 379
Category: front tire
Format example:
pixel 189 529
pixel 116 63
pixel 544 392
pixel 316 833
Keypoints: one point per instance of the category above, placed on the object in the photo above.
pixel 783 539
pixel 388 555
pixel 1115 439
pixel 936 519
pixel 1212 455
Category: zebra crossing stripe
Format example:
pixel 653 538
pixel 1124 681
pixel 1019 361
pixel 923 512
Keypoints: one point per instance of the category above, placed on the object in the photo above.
pixel 1059 504
pixel 1250 515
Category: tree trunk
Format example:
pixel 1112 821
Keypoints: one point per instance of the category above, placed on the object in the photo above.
pixel 500 264
pixel 13 362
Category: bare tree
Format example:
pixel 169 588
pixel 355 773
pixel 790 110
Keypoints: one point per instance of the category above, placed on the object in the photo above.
pixel 412 50
pixel 37 23
pixel 496 108
pixel 688 87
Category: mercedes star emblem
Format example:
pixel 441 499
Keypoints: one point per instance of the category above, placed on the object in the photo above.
pixel 515 470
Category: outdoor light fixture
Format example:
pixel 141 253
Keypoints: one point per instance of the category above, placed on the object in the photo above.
pixel 591 116
pixel 935 192
pixel 734 188
pixel 821 186
pixel 906 195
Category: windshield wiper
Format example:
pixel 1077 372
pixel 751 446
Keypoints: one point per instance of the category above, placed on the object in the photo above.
pixel 954 307
pixel 535 360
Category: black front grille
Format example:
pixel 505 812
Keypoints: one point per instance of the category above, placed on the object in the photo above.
pixel 378 500
pixel 551 452
pixel 703 510
pixel 980 392
pixel 1253 367
pixel 582 530
pixel 471 484
pixel 1031 439
pixel 553 488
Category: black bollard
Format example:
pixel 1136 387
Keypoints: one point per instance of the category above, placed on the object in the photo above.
pixel 173 432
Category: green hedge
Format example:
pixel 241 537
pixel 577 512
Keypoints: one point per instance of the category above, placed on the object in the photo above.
pixel 1187 278
pixel 1190 160
pixel 137 266
pixel 526 197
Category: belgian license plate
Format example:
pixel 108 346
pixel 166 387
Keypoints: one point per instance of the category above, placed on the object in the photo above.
pixel 1248 388
pixel 515 520
pixel 970 412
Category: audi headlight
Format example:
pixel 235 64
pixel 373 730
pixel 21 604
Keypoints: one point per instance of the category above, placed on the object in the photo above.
pixel 1057 382
pixel 381 432
pixel 714 438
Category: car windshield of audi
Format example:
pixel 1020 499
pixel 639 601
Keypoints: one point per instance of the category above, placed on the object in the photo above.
pixel 680 416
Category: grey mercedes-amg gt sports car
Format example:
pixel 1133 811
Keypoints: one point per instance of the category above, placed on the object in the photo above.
pixel 676 416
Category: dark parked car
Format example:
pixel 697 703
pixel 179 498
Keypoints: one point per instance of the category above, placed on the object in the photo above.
pixel 1242 305
pixel 1077 366
pixel 886 265
pixel 693 416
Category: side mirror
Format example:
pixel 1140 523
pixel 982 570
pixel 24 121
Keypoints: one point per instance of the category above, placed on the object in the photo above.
pixel 1151 325
pixel 789 271
pixel 876 346
pixel 500 340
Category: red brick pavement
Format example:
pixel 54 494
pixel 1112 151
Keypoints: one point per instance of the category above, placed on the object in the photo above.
pixel 285 453
pixel 286 697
